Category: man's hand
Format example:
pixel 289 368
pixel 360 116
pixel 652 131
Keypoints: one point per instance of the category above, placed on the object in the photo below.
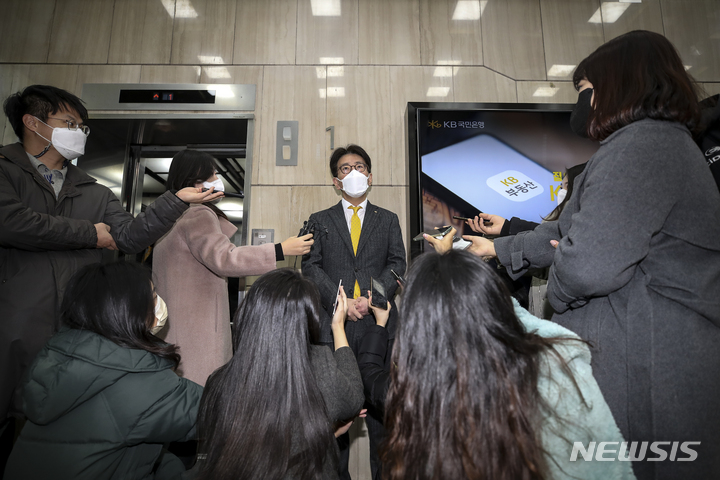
pixel 104 239
pixel 352 312
pixel 492 227
pixel 381 316
pixel 196 195
pixel 441 245
pixel 297 245
pixel 362 306
pixel 482 247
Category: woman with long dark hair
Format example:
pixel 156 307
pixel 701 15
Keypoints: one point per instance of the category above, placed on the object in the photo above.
pixel 637 265
pixel 269 412
pixel 191 265
pixel 102 396
pixel 481 389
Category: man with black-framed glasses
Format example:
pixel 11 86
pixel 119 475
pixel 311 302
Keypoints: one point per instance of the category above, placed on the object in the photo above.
pixel 55 219
pixel 358 241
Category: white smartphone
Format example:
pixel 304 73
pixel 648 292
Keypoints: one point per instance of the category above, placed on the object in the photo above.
pixel 336 297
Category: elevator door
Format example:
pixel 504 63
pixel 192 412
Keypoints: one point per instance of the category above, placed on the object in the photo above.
pixel 131 156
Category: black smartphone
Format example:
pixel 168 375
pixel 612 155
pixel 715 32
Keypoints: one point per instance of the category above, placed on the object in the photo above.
pixel 399 278
pixel 440 232
pixel 485 222
pixel 336 298
pixel 378 294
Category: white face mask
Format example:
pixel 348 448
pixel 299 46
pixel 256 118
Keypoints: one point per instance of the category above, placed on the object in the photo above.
pixel 219 187
pixel 69 143
pixel 218 184
pixel 355 184
pixel 161 314
pixel 561 196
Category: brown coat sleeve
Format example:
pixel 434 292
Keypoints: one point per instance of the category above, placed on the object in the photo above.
pixel 211 247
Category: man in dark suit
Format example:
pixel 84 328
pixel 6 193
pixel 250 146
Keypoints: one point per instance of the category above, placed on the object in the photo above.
pixel 354 242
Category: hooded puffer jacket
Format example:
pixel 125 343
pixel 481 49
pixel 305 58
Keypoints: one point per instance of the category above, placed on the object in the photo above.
pixel 97 410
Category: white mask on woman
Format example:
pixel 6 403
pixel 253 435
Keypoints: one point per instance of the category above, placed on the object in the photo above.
pixel 219 187
pixel 355 184
pixel 161 314
pixel 218 184
pixel 561 195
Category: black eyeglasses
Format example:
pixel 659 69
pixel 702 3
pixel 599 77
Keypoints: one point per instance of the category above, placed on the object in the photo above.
pixel 72 125
pixel 360 167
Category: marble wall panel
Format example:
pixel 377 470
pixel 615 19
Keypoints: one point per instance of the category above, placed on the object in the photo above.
pixel 389 32
pixel 450 34
pixel 622 17
pixel 170 74
pixel 710 89
pixel 142 31
pixel 569 35
pixel 293 93
pixel 89 44
pixel 16 77
pixel 546 92
pixel 205 35
pixel 358 107
pixel 359 459
pixel 513 39
pixel 694 28
pixel 327 35
pixel 412 84
pixel 28 24
pixel 265 32
pixel 269 209
pixel 107 74
pixel 245 75
pixel 480 84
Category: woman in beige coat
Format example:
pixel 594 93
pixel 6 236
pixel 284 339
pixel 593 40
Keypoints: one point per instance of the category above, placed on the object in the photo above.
pixel 191 264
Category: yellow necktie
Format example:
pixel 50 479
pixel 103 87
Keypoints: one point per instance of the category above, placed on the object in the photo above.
pixel 355 228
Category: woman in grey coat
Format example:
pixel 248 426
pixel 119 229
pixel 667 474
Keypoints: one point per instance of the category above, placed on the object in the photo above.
pixel 636 253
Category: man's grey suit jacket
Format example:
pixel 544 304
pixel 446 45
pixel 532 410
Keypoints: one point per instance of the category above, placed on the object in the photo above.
pixel 331 258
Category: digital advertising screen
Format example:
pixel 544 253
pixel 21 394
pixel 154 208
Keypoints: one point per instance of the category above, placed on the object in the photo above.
pixel 503 159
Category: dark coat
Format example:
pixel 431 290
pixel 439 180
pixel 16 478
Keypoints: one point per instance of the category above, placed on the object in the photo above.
pixel 637 273
pixel 97 410
pixel 331 258
pixel 44 241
